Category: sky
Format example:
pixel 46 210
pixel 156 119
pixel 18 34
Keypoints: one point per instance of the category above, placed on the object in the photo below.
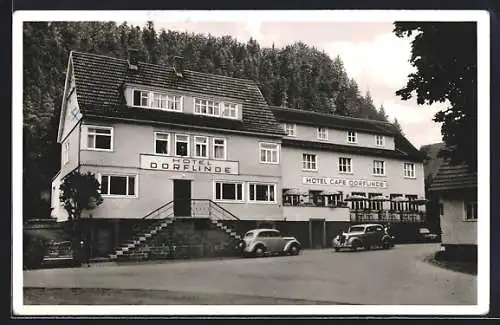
pixel 375 57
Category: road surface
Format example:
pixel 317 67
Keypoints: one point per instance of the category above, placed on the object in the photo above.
pixel 398 276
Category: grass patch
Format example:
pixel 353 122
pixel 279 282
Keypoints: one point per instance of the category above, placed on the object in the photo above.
pixel 95 296
pixel 468 267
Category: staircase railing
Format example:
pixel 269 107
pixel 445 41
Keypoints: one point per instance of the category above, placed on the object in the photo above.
pixel 159 211
pixel 209 209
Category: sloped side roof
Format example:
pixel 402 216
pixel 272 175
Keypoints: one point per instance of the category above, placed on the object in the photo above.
pixel 403 148
pixel 99 81
pixel 453 177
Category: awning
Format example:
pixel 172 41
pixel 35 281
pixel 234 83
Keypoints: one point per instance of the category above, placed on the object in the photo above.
pixel 379 198
pixel 295 191
pixel 331 193
pixel 355 198
pixel 400 199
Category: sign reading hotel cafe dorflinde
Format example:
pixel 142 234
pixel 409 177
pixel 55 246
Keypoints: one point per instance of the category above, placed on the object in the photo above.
pixel 343 182
pixel 190 165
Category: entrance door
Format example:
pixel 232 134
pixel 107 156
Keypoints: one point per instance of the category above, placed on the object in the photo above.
pixel 182 198
pixel 317 232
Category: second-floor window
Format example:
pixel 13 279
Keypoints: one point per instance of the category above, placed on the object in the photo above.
pixel 379 140
pixel 230 110
pixel 65 153
pixel 99 138
pixel 345 165
pixel 309 162
pixel 351 137
pixel 322 133
pixel 269 153
pixel 290 129
pixel 200 147
pixel 162 141
pixel 206 107
pixel 219 148
pixel 181 145
pixel 378 167
pixel 152 99
pixel 409 170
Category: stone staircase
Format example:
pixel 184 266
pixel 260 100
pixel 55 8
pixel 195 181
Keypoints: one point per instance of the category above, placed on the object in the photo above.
pixel 200 235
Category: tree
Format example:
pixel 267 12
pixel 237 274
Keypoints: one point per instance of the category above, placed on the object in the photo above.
pixel 79 192
pixel 444 54
pixel 397 125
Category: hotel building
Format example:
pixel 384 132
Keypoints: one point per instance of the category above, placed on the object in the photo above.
pixel 167 143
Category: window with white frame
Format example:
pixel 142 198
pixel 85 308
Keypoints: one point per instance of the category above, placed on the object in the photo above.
pixel 379 167
pixel 345 165
pixel 262 192
pixel 228 191
pixel 181 145
pixel 351 137
pixel 269 153
pixel 157 100
pixel 201 147
pixel 309 162
pixel 119 185
pixel 322 133
pixel 409 170
pixel 99 137
pixel 219 148
pixel 379 140
pixel 65 153
pixel 230 110
pixel 162 143
pixel 290 129
pixel 206 107
pixel 470 211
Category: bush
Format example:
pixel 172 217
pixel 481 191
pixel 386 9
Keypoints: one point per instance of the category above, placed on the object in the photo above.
pixel 34 250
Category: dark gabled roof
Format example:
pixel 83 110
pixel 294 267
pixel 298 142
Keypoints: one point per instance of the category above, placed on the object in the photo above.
pixel 453 177
pixel 300 116
pixel 99 81
pixel 403 148
pixel 350 149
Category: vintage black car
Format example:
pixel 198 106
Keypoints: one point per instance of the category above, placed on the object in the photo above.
pixel 363 236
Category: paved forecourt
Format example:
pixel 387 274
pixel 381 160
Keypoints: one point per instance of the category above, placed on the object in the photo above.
pixel 382 277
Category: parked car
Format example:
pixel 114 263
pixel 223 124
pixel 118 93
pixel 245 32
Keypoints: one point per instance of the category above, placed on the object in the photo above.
pixel 264 242
pixel 425 235
pixel 363 236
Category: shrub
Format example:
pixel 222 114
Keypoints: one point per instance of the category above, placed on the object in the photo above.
pixel 34 250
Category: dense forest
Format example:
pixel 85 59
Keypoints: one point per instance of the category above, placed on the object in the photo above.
pixel 296 75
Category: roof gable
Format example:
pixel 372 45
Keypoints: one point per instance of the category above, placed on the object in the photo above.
pixel 99 80
pixel 453 177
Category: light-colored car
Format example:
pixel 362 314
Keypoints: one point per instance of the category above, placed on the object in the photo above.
pixel 425 235
pixel 263 242
pixel 364 236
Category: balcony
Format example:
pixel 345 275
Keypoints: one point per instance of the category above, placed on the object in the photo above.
pixel 363 215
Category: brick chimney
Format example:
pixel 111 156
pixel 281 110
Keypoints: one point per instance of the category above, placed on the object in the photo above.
pixel 133 59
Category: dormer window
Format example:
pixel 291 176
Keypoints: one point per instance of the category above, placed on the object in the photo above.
pixel 290 129
pixel 157 100
pixel 351 137
pixel 322 133
pixel 379 140
pixel 215 108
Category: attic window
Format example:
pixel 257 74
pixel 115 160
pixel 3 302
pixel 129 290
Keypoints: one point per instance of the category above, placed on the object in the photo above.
pixel 216 108
pixel 157 100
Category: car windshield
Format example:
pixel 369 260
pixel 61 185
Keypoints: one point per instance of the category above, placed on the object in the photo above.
pixel 356 229
pixel 249 234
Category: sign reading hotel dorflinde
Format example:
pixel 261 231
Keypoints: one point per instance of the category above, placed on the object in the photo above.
pixel 343 182
pixel 189 165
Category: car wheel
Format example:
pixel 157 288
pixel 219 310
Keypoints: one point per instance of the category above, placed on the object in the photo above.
pixel 386 244
pixel 337 249
pixel 294 250
pixel 259 251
